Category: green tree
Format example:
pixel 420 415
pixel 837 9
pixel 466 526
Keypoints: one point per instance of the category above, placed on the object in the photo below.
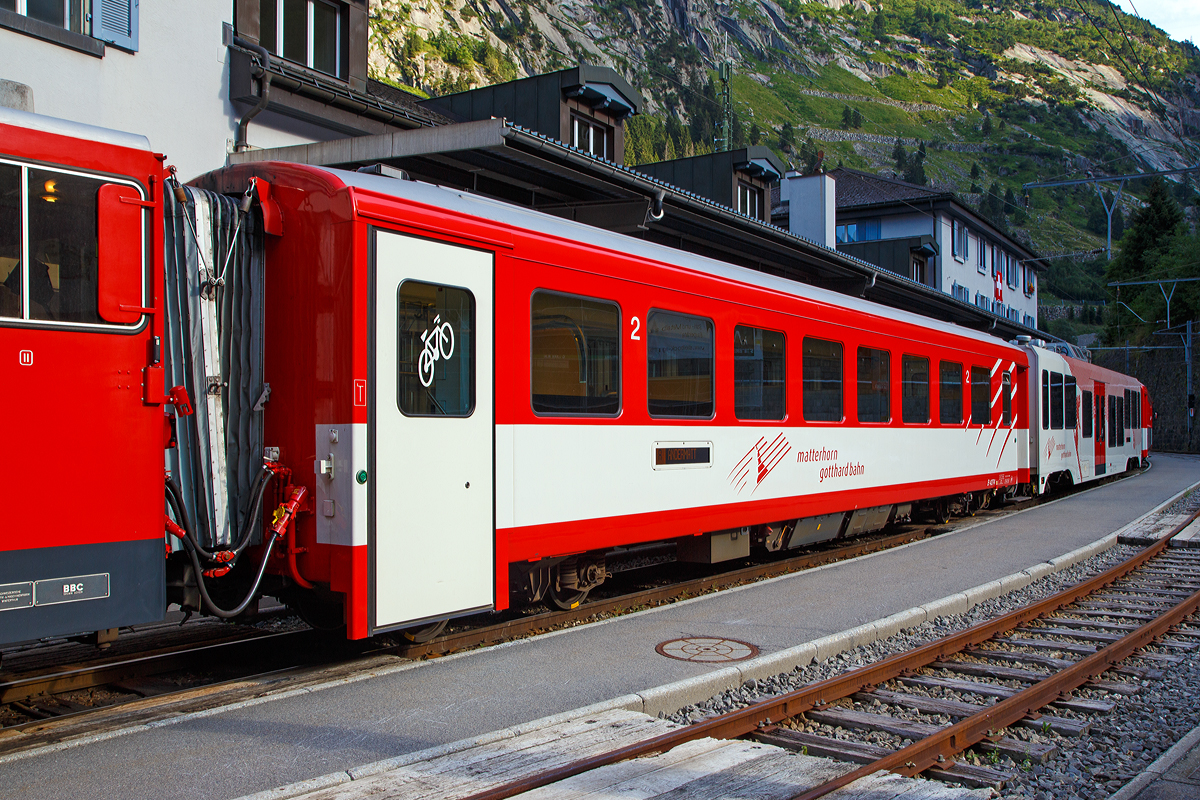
pixel 857 119
pixel 787 137
pixel 847 117
pixel 974 171
pixel 755 133
pixel 986 128
pixel 900 156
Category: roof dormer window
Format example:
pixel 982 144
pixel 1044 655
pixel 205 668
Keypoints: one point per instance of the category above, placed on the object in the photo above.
pixel 308 32
pixel 589 136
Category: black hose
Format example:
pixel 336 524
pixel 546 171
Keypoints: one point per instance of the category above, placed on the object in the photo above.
pixel 175 501
pixel 258 490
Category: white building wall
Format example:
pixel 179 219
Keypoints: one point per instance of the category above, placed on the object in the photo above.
pixel 174 90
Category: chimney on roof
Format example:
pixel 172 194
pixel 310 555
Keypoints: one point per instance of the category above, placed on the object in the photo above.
pixel 812 207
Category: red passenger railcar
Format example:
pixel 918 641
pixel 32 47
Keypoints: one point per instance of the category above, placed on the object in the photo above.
pixel 81 387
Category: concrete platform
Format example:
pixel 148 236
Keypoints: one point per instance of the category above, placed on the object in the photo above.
pixel 1175 775
pixel 332 730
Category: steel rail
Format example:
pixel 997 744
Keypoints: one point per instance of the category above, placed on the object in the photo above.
pixel 749 719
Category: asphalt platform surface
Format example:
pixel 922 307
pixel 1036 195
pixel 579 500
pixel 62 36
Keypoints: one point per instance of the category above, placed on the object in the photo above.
pixel 292 738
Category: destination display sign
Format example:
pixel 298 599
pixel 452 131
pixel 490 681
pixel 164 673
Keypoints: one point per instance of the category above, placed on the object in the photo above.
pixel 669 455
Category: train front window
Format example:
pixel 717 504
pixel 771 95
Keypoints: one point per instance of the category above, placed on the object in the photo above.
pixel 981 396
pixel 575 355
pixel 12 286
pixel 914 389
pixel 758 373
pixel 874 385
pixel 1069 408
pixel 679 365
pixel 1045 400
pixel 822 387
pixel 950 393
pixel 435 327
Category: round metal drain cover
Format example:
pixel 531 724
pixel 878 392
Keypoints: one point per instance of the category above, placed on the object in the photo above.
pixel 707 649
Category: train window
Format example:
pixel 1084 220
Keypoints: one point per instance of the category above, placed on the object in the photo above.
pixel 981 396
pixel 1112 421
pixel 1056 401
pixel 679 365
pixel 1100 419
pixel 874 385
pixel 914 389
pixel 11 284
pixel 822 380
pixel 435 326
pixel 758 373
pixel 575 355
pixel 1128 409
pixel 1045 400
pixel 1120 437
pixel 1069 407
pixel 1006 398
pixel 950 393
pixel 1086 407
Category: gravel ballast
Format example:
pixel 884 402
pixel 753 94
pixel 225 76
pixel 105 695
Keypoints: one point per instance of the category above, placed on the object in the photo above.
pixel 1117 746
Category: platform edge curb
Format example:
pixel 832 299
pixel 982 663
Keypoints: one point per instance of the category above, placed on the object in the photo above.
pixel 1160 767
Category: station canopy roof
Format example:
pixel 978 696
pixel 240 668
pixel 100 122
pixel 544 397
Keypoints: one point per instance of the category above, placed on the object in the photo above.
pixel 498 159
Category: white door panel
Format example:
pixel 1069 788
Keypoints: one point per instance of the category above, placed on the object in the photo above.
pixel 433 413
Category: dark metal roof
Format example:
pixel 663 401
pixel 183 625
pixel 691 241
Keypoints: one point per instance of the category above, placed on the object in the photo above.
pixel 498 159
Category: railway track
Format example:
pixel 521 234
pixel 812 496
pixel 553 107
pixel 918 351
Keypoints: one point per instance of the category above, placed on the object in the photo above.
pixel 1012 678
pixel 52 702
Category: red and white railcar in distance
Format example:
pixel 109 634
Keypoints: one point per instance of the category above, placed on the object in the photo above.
pixel 468 401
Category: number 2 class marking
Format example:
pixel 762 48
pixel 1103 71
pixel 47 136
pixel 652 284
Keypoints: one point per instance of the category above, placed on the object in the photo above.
pixel 637 326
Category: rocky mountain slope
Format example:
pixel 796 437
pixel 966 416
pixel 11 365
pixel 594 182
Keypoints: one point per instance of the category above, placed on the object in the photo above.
pixel 977 97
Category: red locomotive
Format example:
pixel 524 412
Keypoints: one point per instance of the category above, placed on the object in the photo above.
pixel 492 401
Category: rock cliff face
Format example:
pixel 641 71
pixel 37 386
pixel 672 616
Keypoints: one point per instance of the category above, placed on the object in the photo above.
pixel 1003 94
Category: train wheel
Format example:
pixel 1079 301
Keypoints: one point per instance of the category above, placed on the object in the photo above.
pixel 941 512
pixel 565 600
pixel 425 633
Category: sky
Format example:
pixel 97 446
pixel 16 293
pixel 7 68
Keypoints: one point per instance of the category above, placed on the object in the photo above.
pixel 1179 18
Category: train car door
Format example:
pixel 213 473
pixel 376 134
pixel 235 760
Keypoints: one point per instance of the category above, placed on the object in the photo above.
pixel 1101 456
pixel 432 527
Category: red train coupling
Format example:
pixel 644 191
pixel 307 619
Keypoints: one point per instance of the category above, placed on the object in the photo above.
pixel 182 402
pixel 216 572
pixel 283 515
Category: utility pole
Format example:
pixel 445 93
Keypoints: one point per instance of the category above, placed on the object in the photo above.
pixel 1109 211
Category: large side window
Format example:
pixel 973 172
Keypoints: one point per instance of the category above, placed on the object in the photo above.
pixel 1006 398
pixel 950 393
pixel 914 389
pixel 1086 407
pixel 1069 407
pixel 1112 421
pixel 680 365
pixel 435 327
pixel 575 355
pixel 309 32
pixel 1045 400
pixel 822 380
pixel 758 373
pixel 981 396
pixel 1120 439
pixel 1056 401
pixel 874 385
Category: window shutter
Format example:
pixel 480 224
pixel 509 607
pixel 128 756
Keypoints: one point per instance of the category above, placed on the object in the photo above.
pixel 116 22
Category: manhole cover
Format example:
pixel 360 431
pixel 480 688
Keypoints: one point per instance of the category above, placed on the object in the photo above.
pixel 706 648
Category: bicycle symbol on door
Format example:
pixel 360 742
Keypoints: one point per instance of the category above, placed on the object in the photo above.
pixel 439 343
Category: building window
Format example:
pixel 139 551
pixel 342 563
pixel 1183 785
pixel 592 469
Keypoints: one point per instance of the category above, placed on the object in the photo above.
pixel 589 136
pixel 918 269
pixel 863 230
pixel 749 200
pixel 308 32
pixel 69 14
pixel 981 258
pixel 575 347
pixel 679 365
pixel 961 245
pixel 758 373
pixel 1030 281
pixel 960 292
pixel 112 21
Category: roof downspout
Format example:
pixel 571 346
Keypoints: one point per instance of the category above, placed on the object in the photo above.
pixel 263 73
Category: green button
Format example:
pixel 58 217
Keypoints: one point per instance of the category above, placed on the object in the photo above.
pixel 361 476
